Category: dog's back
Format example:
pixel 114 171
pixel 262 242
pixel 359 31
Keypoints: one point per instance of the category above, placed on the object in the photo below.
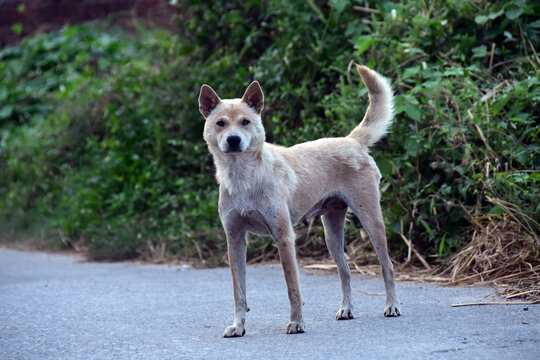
pixel 327 167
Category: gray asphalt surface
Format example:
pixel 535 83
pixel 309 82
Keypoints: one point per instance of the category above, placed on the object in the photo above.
pixel 60 307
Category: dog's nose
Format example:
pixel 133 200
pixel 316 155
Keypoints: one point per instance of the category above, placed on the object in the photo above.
pixel 234 142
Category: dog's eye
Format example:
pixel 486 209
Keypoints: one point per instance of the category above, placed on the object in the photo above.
pixel 220 123
pixel 245 122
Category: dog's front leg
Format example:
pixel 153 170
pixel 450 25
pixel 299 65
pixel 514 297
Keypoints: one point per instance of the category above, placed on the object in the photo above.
pixel 236 242
pixel 285 243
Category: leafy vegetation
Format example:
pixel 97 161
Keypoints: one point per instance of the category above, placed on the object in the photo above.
pixel 100 135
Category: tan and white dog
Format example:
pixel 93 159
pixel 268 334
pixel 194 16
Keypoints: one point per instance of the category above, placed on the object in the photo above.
pixel 265 189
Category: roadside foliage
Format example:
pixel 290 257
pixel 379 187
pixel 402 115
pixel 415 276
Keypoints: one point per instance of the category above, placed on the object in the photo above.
pixel 101 140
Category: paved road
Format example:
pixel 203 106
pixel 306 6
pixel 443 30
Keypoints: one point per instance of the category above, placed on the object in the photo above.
pixel 59 307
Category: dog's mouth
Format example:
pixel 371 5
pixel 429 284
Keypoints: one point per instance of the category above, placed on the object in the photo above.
pixel 233 150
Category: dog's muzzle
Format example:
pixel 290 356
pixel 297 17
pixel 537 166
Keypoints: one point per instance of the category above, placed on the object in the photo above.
pixel 233 143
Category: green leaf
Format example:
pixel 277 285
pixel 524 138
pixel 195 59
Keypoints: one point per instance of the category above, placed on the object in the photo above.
pixel 234 17
pixel 426 226
pixel 495 15
pixel 6 111
pixel 17 28
pixel 339 5
pixel 480 51
pixel 411 72
pixel 412 146
pixel 500 103
pixel 413 111
pixel 481 19
pixel 513 14
pixel 316 9
pixel 3 94
pixel 385 167
pixel 364 43
pixel 441 245
pixel 399 101
pixel 535 24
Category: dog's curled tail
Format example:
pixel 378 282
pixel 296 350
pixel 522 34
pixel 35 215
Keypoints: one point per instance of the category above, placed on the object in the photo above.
pixel 380 112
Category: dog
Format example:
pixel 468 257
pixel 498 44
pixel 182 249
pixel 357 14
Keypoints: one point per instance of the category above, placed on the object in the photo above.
pixel 265 189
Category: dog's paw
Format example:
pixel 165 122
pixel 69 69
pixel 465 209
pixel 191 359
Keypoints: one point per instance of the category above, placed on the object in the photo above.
pixel 295 328
pixel 234 331
pixel 344 313
pixel 391 311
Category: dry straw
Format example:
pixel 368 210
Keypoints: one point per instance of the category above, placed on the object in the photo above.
pixel 501 253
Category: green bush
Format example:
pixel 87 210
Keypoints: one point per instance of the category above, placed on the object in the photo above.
pixel 101 138
pixel 111 152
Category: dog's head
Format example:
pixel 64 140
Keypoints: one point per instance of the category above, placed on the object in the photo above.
pixel 233 126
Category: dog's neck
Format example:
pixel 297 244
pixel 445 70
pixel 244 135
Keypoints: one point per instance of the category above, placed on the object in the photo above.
pixel 242 172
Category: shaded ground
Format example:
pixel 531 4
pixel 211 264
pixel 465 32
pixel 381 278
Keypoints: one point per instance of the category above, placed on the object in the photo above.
pixel 57 307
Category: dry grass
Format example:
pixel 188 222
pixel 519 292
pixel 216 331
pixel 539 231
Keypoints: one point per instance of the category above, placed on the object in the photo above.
pixel 501 253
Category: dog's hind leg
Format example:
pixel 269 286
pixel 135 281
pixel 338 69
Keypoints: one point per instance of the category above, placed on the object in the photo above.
pixel 365 205
pixel 236 242
pixel 334 222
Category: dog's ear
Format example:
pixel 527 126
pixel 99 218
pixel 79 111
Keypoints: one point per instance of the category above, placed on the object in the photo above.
pixel 208 100
pixel 254 97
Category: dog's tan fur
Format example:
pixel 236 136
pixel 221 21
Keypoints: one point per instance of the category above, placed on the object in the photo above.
pixel 265 189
